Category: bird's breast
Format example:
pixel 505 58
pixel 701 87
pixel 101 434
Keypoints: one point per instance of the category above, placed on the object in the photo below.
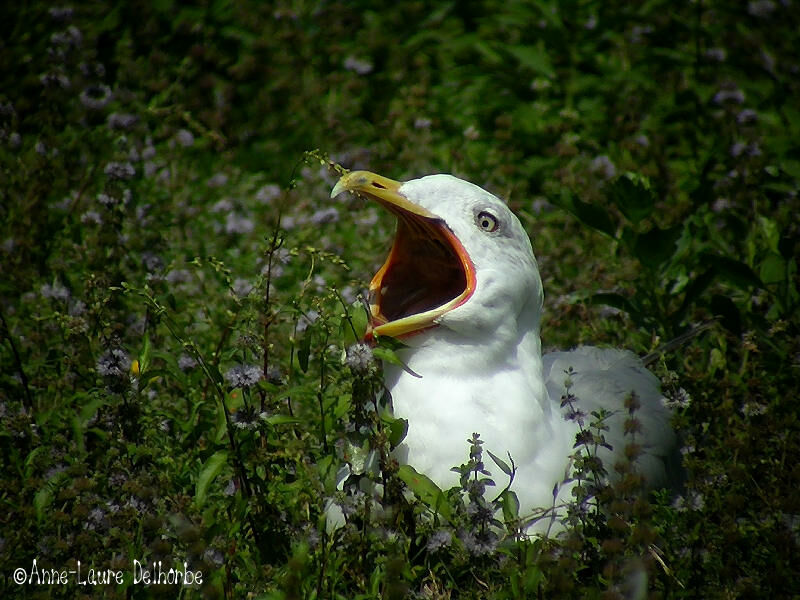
pixel 503 403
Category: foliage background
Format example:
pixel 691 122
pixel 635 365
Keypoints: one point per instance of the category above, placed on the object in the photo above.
pixel 162 230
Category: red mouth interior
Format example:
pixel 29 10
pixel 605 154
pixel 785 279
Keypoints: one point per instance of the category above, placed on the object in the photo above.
pixel 423 270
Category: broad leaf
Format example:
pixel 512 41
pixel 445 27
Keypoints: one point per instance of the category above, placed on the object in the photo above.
pixel 733 271
pixel 426 490
pixel 656 247
pixel 633 196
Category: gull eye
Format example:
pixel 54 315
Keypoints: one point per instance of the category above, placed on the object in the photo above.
pixel 487 221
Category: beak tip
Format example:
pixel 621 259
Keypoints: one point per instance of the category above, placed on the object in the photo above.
pixel 337 189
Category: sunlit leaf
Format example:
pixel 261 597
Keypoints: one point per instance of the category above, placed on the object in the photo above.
pixel 426 490
pixel 208 473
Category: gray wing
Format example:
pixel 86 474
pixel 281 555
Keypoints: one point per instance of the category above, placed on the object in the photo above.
pixel 602 378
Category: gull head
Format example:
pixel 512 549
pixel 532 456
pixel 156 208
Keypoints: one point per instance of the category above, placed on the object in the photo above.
pixel 460 260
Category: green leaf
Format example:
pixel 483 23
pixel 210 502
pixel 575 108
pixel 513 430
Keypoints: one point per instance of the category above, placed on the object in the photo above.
pixel 772 269
pixel 791 167
pixel 500 463
pixel 362 459
pixel 389 356
pixel 144 355
pixel 44 497
pixel 725 308
pixel 769 229
pixel 29 467
pixel 398 428
pixel 216 376
pixel 208 473
pixel 282 420
pixel 304 351
pixel 693 290
pixel 80 420
pixel 510 503
pixel 354 328
pixel 593 216
pixel 735 272
pixel 151 374
pixel 222 424
pixel 631 193
pixel 534 58
pixel 426 490
pixel 656 247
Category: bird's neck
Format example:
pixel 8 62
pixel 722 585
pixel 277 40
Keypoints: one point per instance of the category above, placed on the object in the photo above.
pixel 473 365
pixel 490 386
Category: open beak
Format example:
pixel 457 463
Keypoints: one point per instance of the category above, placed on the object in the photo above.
pixel 427 272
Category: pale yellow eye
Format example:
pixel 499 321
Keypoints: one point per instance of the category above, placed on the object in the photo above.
pixel 487 221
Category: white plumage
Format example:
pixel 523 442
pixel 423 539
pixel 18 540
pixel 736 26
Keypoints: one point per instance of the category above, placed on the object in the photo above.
pixel 462 289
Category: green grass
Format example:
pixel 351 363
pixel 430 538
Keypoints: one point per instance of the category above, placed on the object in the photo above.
pixel 178 292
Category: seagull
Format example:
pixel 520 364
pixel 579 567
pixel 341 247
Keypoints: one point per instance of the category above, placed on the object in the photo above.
pixel 461 289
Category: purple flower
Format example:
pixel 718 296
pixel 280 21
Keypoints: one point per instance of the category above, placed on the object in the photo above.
pixel 119 170
pixel 244 418
pixel 61 13
pixel 72 37
pixel 152 262
pixel 96 97
pixel 734 95
pixel 738 148
pixel 747 115
pixel 214 556
pixel 235 223
pixel 55 80
pixel 185 138
pixel 91 216
pixel 121 121
pixel 326 215
pixel 603 165
pixel 440 539
pixel 243 376
pixel 242 287
pixel 55 291
pixel 178 276
pixel 114 363
pixel 223 205
pixel 761 8
pixel 268 193
pixel 217 180
pixel 479 543
pixel 358 65
pixel 186 363
pixel 359 358
pixel 14 140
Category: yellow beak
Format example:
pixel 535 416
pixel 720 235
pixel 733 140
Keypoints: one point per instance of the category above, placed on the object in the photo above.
pixel 427 273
